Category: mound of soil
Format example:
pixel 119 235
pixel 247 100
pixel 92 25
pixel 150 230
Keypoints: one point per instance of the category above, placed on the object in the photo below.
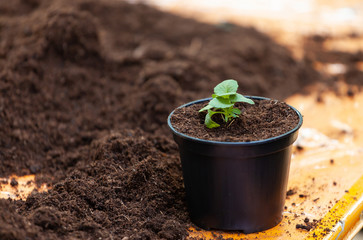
pixel 78 78
pixel 132 187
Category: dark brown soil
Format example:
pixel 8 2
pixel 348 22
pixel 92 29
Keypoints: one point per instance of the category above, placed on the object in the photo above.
pixel 262 120
pixel 291 192
pixel 132 187
pixel 85 90
pixel 307 225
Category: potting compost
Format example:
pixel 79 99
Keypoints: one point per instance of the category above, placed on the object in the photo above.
pixel 86 87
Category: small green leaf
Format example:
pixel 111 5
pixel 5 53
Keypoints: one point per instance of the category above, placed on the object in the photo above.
pixel 220 102
pixel 224 97
pixel 208 120
pixel 240 98
pixel 227 87
pixel 206 108
pixel 236 111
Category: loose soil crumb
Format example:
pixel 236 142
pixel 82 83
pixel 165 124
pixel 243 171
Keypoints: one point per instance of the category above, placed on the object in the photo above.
pixel 13 182
pixel 307 224
pixel 291 192
pixel 262 120
pixel 299 148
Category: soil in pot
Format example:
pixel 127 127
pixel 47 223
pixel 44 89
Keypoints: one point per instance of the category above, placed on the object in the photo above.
pixel 265 119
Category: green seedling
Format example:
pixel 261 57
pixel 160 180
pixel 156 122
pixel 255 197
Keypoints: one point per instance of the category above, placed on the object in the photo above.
pixel 224 97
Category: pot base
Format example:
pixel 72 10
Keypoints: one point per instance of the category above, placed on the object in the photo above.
pixel 236 193
pixel 245 228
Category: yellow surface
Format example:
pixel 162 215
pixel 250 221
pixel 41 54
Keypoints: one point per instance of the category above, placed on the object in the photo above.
pixel 26 184
pixel 343 216
pixel 333 190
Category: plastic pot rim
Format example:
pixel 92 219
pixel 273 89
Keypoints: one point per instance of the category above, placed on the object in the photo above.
pixel 264 141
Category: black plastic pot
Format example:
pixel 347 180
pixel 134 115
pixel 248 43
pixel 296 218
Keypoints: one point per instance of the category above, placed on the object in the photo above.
pixel 235 185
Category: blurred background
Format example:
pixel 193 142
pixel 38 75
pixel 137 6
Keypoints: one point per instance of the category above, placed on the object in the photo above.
pixel 287 21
